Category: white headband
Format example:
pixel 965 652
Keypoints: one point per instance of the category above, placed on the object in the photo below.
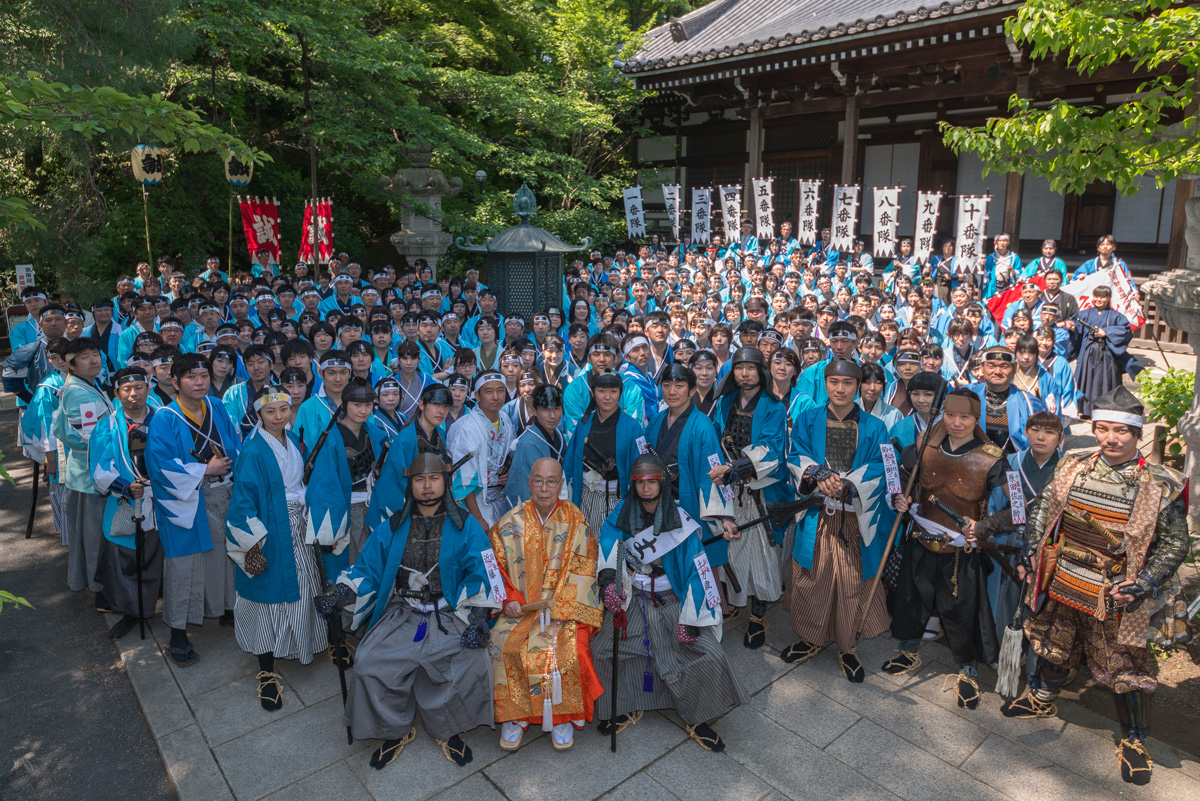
pixel 334 363
pixel 634 342
pixel 1113 416
pixel 272 397
pixel 488 378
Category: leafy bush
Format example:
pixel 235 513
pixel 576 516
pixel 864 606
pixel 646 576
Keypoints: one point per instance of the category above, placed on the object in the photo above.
pixel 1167 400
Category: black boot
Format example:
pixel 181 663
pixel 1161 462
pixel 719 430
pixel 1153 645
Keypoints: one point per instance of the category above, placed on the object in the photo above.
pixel 122 627
pixel 1133 710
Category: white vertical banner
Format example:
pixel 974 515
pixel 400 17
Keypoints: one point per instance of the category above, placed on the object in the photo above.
pixel 635 213
pixel 701 216
pixel 970 231
pixel 845 217
pixel 764 208
pixel 928 204
pixel 24 277
pixel 671 193
pixel 731 212
pixel 887 210
pixel 810 209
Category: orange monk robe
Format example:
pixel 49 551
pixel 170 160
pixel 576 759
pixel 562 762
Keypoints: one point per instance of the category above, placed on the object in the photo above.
pixel 538 561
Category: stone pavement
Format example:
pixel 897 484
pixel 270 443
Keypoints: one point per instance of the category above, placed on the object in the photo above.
pixel 806 733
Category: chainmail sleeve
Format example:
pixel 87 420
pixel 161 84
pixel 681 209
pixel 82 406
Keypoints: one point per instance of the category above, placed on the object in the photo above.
pixel 1035 527
pixel 1169 549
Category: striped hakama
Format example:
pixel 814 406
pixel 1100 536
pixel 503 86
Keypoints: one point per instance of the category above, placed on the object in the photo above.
pixel 58 510
pixel 200 585
pixel 394 678
pixel 695 679
pixel 826 602
pixel 85 519
pixel 753 556
pixel 595 502
pixel 292 629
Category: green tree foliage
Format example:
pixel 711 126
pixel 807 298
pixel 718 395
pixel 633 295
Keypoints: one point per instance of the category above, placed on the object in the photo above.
pixel 1153 134
pixel 524 90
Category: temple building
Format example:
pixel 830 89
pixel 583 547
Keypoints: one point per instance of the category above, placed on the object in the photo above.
pixel 851 92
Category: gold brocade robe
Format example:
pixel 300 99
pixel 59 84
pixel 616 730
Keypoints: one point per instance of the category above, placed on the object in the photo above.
pixel 559 561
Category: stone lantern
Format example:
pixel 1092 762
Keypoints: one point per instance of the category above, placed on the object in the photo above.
pixel 524 263
pixel 421 235
pixel 1176 293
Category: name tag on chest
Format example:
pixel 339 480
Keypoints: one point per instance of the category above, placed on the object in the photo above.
pixel 647 546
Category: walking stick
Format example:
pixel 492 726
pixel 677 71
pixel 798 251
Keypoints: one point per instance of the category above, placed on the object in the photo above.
pixel 333 626
pixel 612 744
pixel 613 734
pixel 37 474
pixel 912 480
pixel 138 518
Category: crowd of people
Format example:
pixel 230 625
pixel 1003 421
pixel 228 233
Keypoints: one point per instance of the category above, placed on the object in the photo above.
pixel 548 520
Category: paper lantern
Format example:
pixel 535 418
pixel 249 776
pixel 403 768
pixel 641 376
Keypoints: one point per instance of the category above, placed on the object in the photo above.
pixel 238 169
pixel 147 163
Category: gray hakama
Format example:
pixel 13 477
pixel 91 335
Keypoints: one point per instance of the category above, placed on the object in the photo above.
pixel 293 629
pixel 357 529
pixel 200 585
pixel 394 678
pixel 695 679
pixel 117 573
pixel 753 556
pixel 58 510
pixel 85 520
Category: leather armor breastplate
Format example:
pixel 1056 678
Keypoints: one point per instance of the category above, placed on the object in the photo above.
pixel 959 481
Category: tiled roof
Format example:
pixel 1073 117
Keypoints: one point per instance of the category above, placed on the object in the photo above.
pixel 726 28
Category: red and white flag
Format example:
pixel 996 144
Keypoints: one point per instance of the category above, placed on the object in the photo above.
pixel 324 231
pixel 260 221
pixel 1124 294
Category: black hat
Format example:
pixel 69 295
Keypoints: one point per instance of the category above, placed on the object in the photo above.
pixel 1119 406
pixel 677 372
pixel 437 393
pixel 752 355
pixel 927 382
pixel 843 367
pixel 605 380
pixel 357 392
pixel 547 396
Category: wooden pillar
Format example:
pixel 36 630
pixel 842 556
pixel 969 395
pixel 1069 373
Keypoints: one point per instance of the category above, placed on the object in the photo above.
pixel 850 143
pixel 1177 249
pixel 756 143
pixel 1014 187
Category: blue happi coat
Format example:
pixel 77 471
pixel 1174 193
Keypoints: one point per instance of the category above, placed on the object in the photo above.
pixel 650 392
pixel 460 564
pixel 391 488
pixel 698 496
pixel 578 396
pixel 1021 406
pixel 113 473
pixel 628 431
pixel 312 418
pixel 768 441
pixel 258 515
pixel 875 516
pixel 176 476
pixel 679 565
pixel 328 496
